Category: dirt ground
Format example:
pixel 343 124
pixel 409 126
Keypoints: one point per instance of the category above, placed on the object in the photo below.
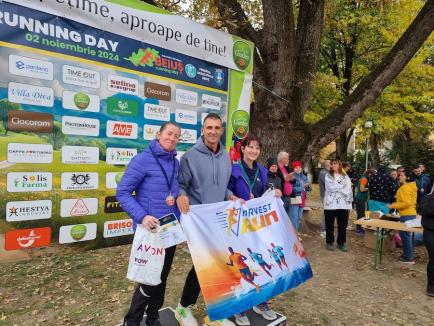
pixel 63 286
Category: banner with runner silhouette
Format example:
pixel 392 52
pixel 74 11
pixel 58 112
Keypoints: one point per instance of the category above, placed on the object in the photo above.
pixel 244 254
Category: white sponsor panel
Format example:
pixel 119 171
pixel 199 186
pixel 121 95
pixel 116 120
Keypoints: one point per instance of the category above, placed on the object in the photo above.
pixel 118 228
pixel 79 180
pixel 81 77
pixel 77 232
pixel 188 136
pixel 211 102
pixel 150 131
pixel 30 94
pixel 80 155
pixel 157 112
pixel 30 67
pixel 186 116
pixel 80 126
pixel 124 85
pixel 29 181
pixel 120 156
pixel 120 129
pixel 184 96
pixel 110 179
pixel 78 207
pixel 80 101
pixel 17 211
pixel 202 117
pixel 29 153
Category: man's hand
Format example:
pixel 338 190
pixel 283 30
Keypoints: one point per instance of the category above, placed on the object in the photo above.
pixel 183 204
pixel 149 222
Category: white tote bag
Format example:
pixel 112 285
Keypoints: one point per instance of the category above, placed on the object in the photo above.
pixel 147 257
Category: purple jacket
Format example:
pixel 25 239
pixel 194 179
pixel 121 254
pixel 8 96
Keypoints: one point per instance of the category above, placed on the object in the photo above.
pixel 144 177
pixel 239 186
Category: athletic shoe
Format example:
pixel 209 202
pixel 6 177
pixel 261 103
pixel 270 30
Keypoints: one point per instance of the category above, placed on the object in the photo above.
pixel 184 316
pixel 242 319
pixel 343 247
pixel 264 310
pixel 330 246
pixel 404 260
pixel 220 322
pixel 323 234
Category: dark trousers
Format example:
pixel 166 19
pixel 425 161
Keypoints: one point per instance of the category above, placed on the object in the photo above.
pixel 150 297
pixel 191 289
pixel 428 239
pixel 342 218
pixel 360 209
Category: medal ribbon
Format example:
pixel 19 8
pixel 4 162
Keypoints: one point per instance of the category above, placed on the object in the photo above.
pixel 250 184
pixel 169 184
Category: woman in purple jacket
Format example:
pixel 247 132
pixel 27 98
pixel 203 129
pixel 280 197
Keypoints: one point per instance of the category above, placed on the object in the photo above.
pixel 152 176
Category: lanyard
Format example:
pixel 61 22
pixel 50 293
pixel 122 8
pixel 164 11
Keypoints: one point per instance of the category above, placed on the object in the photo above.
pixel 250 184
pixel 169 184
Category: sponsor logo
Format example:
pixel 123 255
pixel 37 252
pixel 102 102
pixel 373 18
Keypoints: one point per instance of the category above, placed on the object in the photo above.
pixel 157 112
pixel 27 238
pixel 29 181
pixel 111 205
pixel 77 232
pixel 188 136
pixel 123 85
pixel 185 116
pixel 211 102
pixel 80 101
pixel 81 77
pixel 186 97
pixel 112 179
pixel 157 91
pixel 190 70
pixel 80 155
pixel 78 207
pixel 79 180
pixel 119 129
pixel 29 153
pixel 240 123
pixel 242 54
pixel 30 121
pixel 120 156
pixel 80 126
pixel 17 211
pixel 150 57
pixel 118 228
pixel 30 94
pixel 219 77
pixel 29 67
pixel 122 107
pixel 150 131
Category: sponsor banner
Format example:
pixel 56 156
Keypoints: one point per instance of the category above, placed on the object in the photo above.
pixel 80 155
pixel 27 238
pixel 29 153
pixel 157 112
pixel 202 117
pixel 29 181
pixel 118 228
pixel 77 233
pixel 30 67
pixel 150 131
pixel 123 85
pixel 188 136
pixel 186 97
pixel 111 205
pixel 112 179
pixel 80 126
pixel 79 180
pixel 78 207
pixel 211 102
pixel 185 116
pixel 122 107
pixel 120 156
pixel 158 91
pixel 81 77
pixel 80 101
pixel 30 94
pixel 17 211
pixel 19 120
pixel 118 129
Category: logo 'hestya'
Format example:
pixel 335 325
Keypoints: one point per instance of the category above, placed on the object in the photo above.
pixel 82 101
pixel 242 54
pixel 240 123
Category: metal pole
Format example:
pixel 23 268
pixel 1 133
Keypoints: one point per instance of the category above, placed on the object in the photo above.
pixel 366 154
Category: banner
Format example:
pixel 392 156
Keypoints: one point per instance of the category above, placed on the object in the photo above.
pixel 244 254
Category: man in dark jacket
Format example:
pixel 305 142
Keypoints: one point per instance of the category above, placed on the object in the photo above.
pixel 423 181
pixel 273 177
pixel 381 189
pixel 427 212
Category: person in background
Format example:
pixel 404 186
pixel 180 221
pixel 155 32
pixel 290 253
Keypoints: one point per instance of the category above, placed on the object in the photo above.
pixel 286 176
pixel 406 200
pixel 381 190
pixel 400 170
pixel 338 200
pixel 300 186
pixel 423 181
pixel 273 179
pixel 427 212
pixel 321 183
pixel 394 175
pixel 361 198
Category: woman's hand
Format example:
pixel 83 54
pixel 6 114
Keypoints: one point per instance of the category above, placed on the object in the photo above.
pixel 183 204
pixel 150 223
pixel 277 193
pixel 235 198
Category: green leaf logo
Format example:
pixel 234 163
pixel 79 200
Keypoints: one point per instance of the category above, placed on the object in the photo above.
pixel 118 177
pixel 82 101
pixel 78 232
pixel 240 123
pixel 242 54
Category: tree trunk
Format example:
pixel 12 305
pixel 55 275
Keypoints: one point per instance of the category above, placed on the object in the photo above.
pixel 341 147
pixel 375 153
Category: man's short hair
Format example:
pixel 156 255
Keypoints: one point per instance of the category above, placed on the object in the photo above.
pixel 212 115
pixel 281 155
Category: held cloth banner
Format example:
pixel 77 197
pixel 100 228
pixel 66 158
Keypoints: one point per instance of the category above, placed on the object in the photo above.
pixel 243 254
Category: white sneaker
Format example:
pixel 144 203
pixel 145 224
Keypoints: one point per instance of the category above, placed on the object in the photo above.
pixel 242 320
pixel 184 316
pixel 220 322
pixel 264 310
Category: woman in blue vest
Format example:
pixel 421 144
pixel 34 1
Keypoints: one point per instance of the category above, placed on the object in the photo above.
pixel 153 176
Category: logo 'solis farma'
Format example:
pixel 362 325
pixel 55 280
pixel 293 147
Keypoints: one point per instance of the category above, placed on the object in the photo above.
pixel 150 57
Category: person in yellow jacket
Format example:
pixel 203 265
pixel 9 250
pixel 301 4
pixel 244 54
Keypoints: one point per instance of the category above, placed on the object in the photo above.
pixel 406 200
